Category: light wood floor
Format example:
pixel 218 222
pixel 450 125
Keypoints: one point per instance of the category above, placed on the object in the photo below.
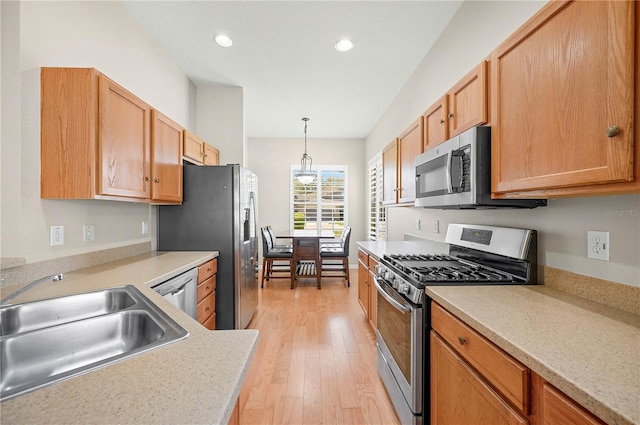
pixel 316 361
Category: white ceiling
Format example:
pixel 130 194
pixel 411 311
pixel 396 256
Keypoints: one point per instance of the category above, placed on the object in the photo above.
pixel 284 59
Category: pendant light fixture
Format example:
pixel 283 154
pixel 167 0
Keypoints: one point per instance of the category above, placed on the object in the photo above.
pixel 305 175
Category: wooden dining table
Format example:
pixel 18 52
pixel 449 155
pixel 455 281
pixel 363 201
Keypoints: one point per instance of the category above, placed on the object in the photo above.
pixel 306 253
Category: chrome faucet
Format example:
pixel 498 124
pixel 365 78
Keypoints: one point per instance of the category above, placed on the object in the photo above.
pixel 53 277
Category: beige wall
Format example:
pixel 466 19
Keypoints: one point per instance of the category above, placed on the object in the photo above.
pixel 271 159
pixel 220 121
pixel 76 34
pixel 474 32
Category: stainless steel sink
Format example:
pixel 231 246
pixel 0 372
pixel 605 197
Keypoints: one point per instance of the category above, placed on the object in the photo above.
pixel 55 311
pixel 51 340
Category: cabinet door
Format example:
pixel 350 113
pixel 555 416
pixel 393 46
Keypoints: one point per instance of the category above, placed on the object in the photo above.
pixel 557 408
pixel 166 159
pixel 373 301
pixel 390 173
pixel 211 155
pixel 559 85
pixel 123 142
pixel 363 287
pixel 467 101
pixel 193 148
pixel 409 146
pixel 436 129
pixel 460 396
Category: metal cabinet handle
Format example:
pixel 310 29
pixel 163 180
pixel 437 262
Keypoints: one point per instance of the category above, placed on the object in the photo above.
pixel 208 287
pixel 441 121
pixel 613 131
pixel 209 269
pixel 206 309
pixel 461 340
pixel 450 114
pixel 147 179
pixel 157 180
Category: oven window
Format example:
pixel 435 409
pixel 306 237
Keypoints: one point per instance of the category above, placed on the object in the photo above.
pixel 395 328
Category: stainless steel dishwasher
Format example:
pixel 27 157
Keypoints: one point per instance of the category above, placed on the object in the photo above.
pixel 181 291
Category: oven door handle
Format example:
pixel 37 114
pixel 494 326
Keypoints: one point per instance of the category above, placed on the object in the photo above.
pixel 390 299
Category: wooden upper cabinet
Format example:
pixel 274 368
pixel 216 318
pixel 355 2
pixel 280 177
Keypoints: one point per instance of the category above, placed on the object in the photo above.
pixel 462 107
pixel 197 151
pixel 96 141
pixel 211 155
pixel 468 101
pixel 123 142
pixel 410 145
pixel 166 161
pixel 560 84
pixel 193 148
pixel 436 129
pixel 390 173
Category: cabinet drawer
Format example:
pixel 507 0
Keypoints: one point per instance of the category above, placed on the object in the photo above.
pixel 372 264
pixel 207 270
pixel 210 322
pixel 206 287
pixel 206 307
pixel 507 375
pixel 363 256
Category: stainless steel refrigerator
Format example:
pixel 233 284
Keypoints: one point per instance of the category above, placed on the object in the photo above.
pixel 219 213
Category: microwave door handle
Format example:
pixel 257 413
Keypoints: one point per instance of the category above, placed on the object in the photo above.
pixel 448 172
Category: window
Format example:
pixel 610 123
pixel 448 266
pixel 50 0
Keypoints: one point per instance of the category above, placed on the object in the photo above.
pixel 321 205
pixel 376 213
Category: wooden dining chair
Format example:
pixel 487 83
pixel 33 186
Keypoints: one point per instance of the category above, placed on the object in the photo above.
pixel 277 260
pixel 336 258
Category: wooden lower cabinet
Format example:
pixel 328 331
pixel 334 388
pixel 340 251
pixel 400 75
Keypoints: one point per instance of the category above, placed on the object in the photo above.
pixel 235 415
pixel 366 288
pixel 474 382
pixel 206 309
pixel 363 286
pixel 460 396
pixel 373 294
pixel 553 407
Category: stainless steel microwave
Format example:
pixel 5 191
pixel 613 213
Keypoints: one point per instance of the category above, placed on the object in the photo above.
pixel 456 174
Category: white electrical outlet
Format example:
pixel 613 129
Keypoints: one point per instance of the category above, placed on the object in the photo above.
pixel 145 227
pixel 598 245
pixel 57 235
pixel 89 232
pixel 418 224
pixel 436 226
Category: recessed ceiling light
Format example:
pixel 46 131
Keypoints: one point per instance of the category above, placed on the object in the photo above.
pixel 344 45
pixel 223 40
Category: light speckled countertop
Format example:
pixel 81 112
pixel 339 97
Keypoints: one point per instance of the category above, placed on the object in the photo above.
pixel 196 380
pixel 588 350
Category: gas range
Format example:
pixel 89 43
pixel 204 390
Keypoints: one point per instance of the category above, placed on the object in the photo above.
pixel 478 255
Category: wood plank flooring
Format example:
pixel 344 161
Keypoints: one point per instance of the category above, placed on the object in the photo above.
pixel 316 359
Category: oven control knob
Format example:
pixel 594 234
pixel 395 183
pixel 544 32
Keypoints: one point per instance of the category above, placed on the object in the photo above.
pixel 403 288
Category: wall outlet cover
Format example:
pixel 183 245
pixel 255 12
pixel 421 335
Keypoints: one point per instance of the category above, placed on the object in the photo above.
pixel 57 235
pixel 598 245
pixel 89 232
